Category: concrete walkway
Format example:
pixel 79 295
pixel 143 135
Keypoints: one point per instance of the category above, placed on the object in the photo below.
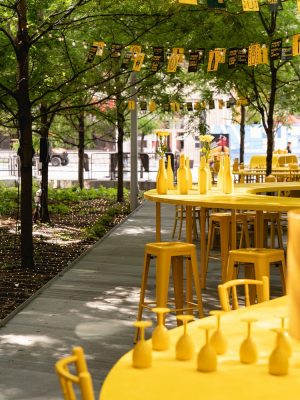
pixel 93 304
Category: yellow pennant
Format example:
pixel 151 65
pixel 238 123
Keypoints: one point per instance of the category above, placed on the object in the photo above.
pixel 173 63
pixel 138 62
pixel 298 5
pixel 131 105
pixel 242 101
pixel 254 56
pixel 100 46
pixel 264 55
pixel 221 104
pixel 222 55
pixel 203 104
pixel 134 50
pixel 194 2
pixel 250 5
pixel 213 60
pixel 152 106
pixel 180 52
pixel 296 45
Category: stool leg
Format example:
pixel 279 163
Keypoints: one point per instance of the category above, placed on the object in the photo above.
pixel 197 283
pixel 175 222
pixel 224 235
pixel 261 268
pixel 283 274
pixel 180 224
pixel 147 259
pixel 177 272
pixel 209 240
pixel 279 232
pixel 162 279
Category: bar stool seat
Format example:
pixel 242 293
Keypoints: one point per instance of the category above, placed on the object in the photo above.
pixel 167 254
pixel 261 258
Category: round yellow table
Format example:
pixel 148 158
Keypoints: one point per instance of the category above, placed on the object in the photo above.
pixel 178 380
pixel 245 197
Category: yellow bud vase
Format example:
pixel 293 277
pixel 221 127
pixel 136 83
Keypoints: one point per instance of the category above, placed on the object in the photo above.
pixel 202 177
pixel 190 178
pixel 170 174
pixel 227 178
pixel 182 177
pixel 162 179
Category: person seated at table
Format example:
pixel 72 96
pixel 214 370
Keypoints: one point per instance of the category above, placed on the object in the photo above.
pixel 289 147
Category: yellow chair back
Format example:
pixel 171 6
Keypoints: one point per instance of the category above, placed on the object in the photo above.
pixel 82 378
pixel 231 287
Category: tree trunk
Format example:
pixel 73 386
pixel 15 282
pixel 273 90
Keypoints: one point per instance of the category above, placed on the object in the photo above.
pixel 81 132
pixel 44 159
pixel 120 122
pixel 242 133
pixel 270 118
pixel 26 151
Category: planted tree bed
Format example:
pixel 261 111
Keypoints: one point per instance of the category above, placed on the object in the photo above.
pixel 56 245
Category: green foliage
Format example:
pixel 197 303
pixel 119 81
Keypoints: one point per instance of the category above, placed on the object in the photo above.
pixel 8 200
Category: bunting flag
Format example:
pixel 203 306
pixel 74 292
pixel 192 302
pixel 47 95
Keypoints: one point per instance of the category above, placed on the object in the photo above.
pixel 264 55
pixel 242 101
pixel 180 52
pixel 173 63
pixel 250 5
pixel 138 62
pixel 222 55
pixel 298 5
pixel 296 45
pixel 143 105
pixel 253 54
pixel 211 104
pixel 189 106
pixel 193 62
pixel 221 104
pixel 216 3
pixel 242 57
pixel 213 60
pixel 157 59
pixel 135 49
pixel 203 104
pixel 116 50
pixel 126 60
pixel 287 53
pixel 201 53
pixel 131 105
pixel 175 107
pixel 92 53
pixel 274 5
pixel 276 49
pixel 100 46
pixel 232 57
pixel 152 106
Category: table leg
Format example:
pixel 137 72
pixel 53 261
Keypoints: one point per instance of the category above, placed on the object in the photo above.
pixel 202 246
pixel 158 222
pixel 189 239
pixel 259 230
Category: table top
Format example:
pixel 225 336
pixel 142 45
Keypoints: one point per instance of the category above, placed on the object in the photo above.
pixel 245 197
pixel 171 379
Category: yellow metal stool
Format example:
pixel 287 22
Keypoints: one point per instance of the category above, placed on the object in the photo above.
pixel 222 221
pixel 180 217
pixel 261 258
pixel 167 254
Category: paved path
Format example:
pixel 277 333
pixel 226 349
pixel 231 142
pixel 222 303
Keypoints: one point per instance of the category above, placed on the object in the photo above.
pixel 93 304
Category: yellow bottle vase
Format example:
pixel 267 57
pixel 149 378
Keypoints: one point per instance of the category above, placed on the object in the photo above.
pixel 170 174
pixel 162 178
pixel 182 177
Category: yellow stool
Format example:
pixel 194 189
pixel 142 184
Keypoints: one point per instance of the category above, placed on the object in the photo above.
pixel 222 221
pixel 168 253
pixel 261 258
pixel 180 217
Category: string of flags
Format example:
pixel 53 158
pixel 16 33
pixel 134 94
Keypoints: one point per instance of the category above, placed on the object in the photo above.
pixel 133 58
pixel 247 5
pixel 177 107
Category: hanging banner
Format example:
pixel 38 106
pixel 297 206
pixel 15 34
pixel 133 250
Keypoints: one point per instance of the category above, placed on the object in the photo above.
pixel 216 3
pixel 143 105
pixel 211 104
pixel 222 55
pixel 116 50
pixel 157 59
pixel 242 57
pixel 201 52
pixel 263 55
pixel 189 106
pixel 287 53
pixel 135 49
pixel 232 57
pixel 126 60
pixel 180 52
pixel 253 54
pixel 175 107
pixel 213 60
pixel 173 63
pixel 250 5
pixel 138 62
pixel 298 5
pixel 276 47
pixel 221 104
pixel 193 62
pixel 296 45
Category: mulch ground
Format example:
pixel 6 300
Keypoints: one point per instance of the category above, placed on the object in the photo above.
pixel 55 246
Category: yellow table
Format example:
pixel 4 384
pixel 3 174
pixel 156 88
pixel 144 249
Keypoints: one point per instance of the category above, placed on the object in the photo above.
pixel 179 380
pixel 245 197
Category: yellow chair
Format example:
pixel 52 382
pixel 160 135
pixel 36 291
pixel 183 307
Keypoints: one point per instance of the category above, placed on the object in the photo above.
pixel 261 259
pixel 229 289
pixel 82 378
pixel 180 217
pixel 167 254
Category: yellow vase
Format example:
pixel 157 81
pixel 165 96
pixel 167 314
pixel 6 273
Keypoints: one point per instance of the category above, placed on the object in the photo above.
pixel 202 177
pixel 182 177
pixel 161 179
pixel 220 174
pixel 209 177
pixel 170 174
pixel 190 178
pixel 227 178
